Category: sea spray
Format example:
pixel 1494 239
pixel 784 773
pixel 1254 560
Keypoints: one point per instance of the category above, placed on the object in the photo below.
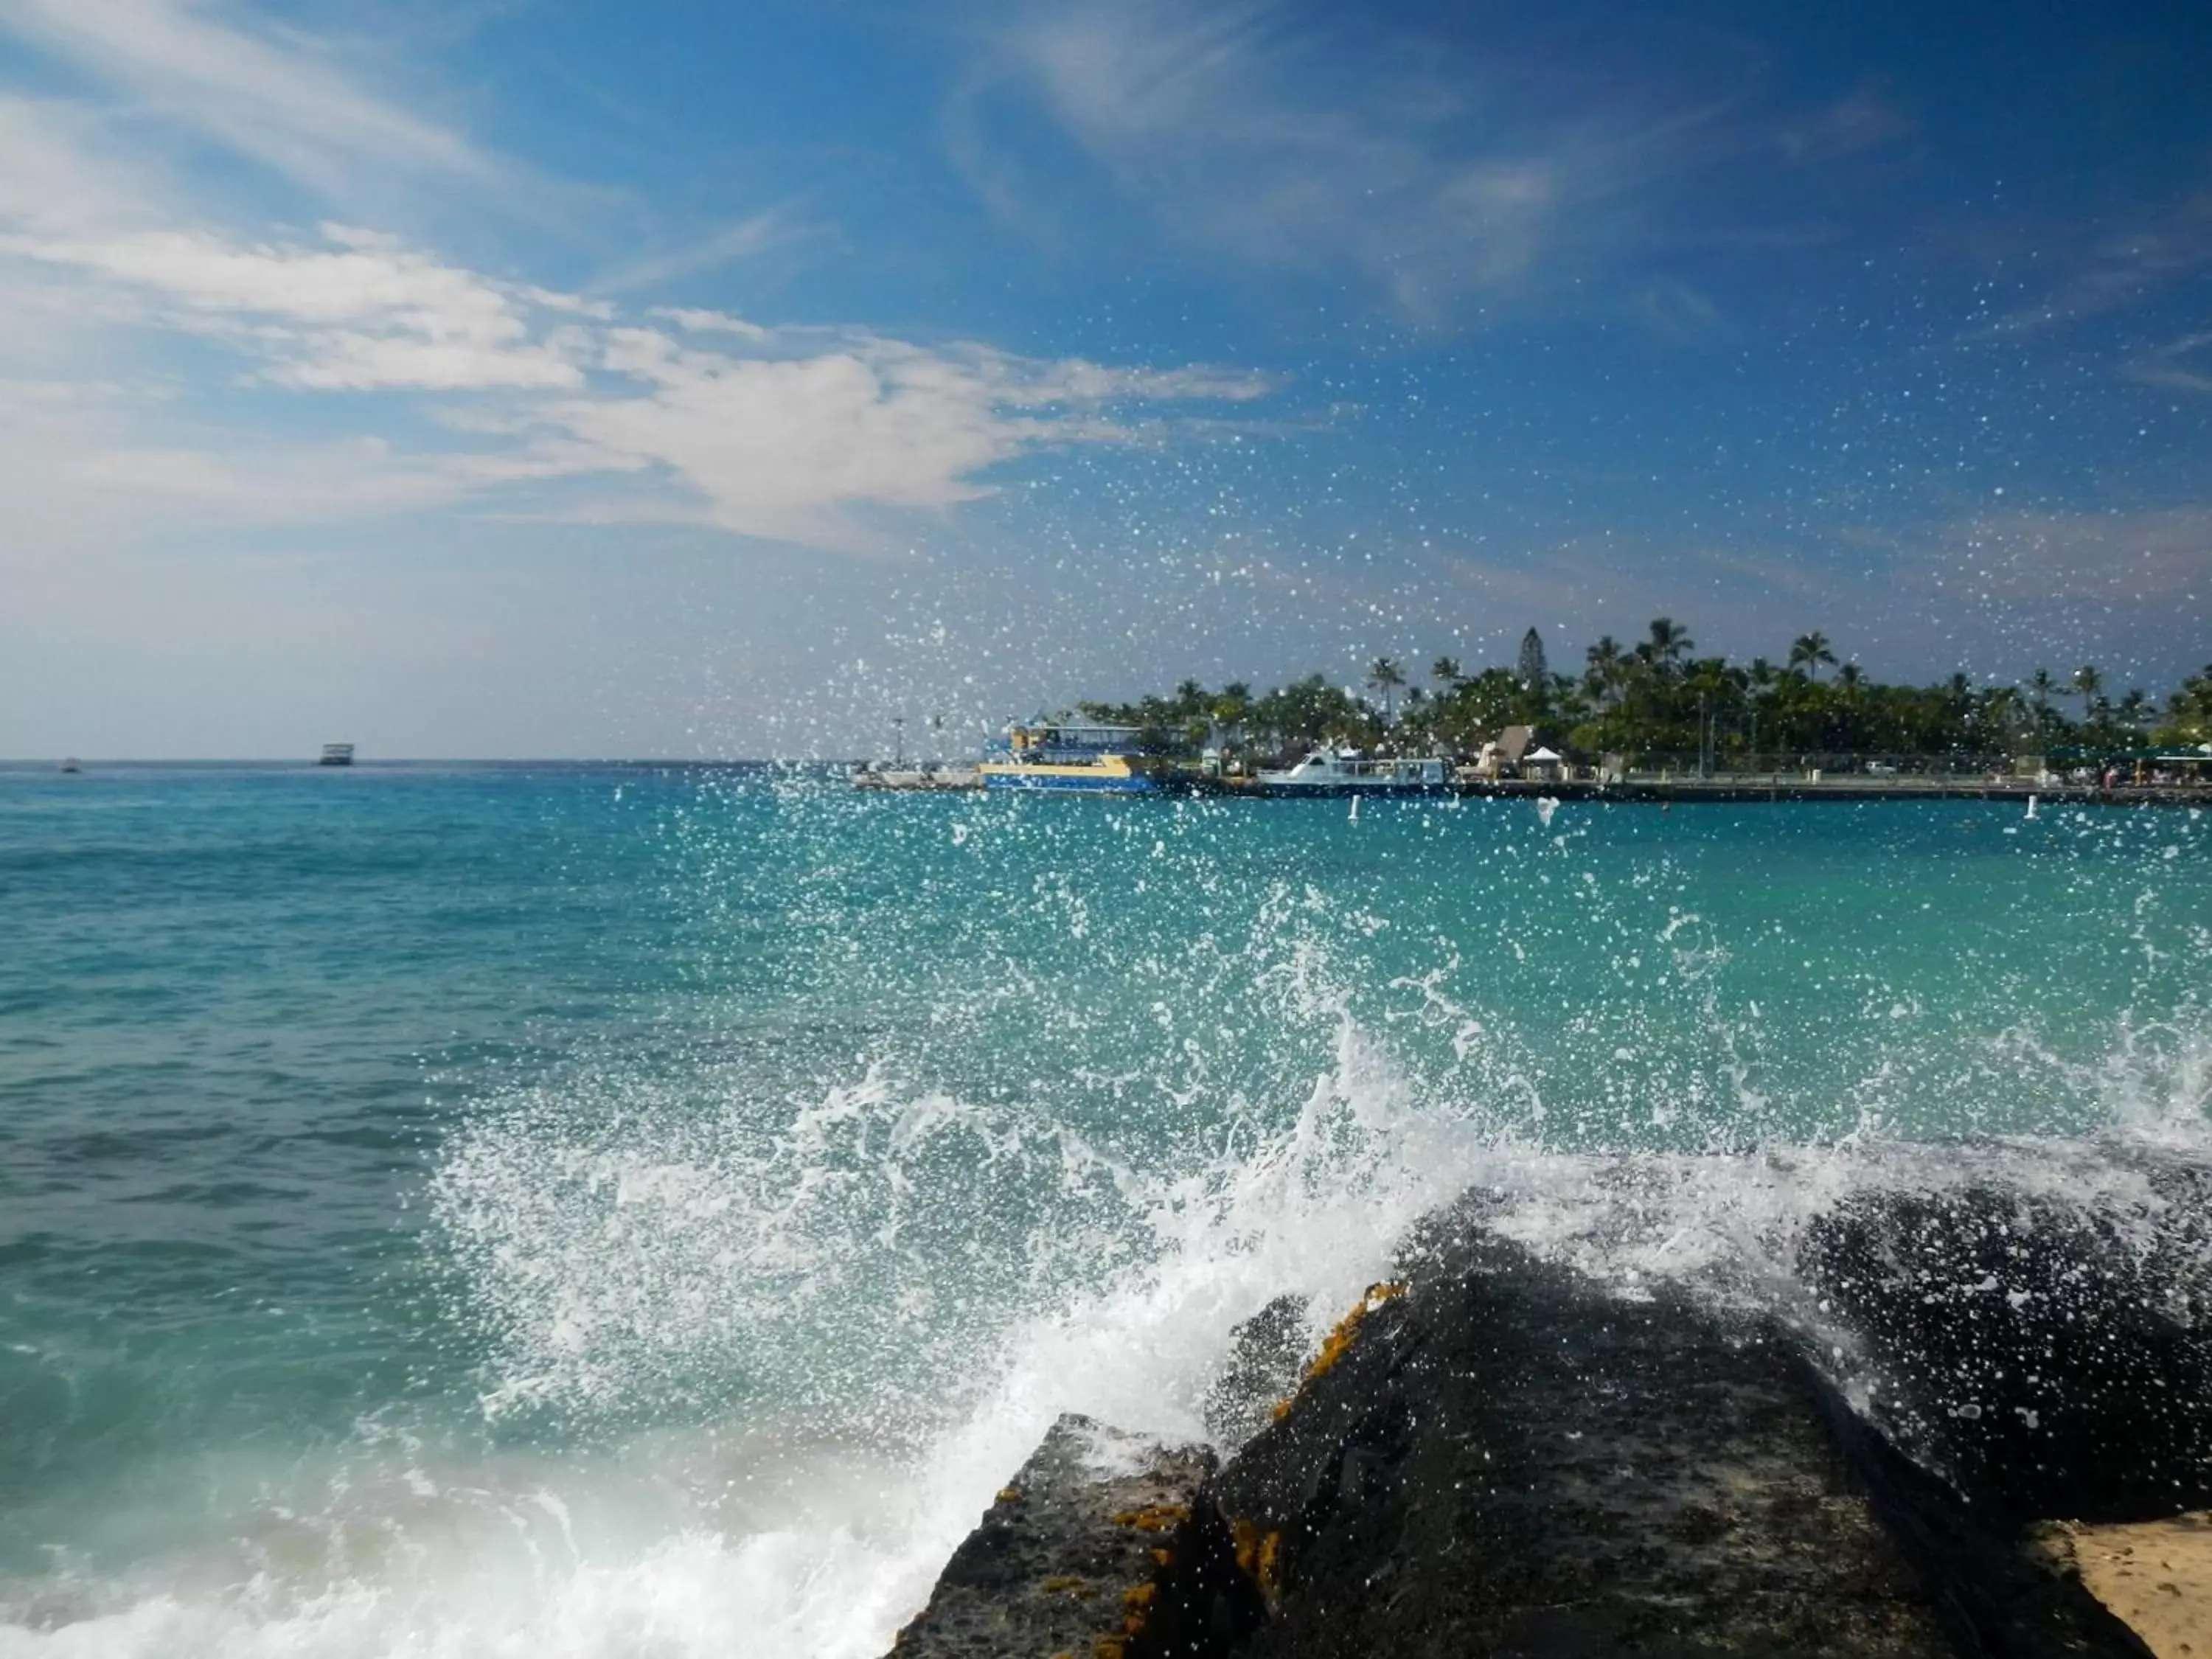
pixel 736 1284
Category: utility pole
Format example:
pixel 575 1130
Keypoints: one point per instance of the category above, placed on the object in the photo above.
pixel 898 741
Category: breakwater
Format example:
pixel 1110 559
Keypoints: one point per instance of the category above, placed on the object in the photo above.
pixel 1494 1455
pixel 1730 789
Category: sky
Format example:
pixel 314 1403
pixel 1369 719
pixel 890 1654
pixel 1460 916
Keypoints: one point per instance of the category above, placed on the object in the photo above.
pixel 552 378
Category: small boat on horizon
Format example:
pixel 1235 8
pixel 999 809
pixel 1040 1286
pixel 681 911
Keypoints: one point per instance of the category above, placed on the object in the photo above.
pixel 337 753
pixel 71 765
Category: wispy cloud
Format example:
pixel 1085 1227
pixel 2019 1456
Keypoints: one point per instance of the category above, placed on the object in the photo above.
pixel 2184 364
pixel 284 100
pixel 748 238
pixel 365 311
pixel 1196 113
pixel 2119 560
pixel 805 435
pixel 1441 178
pixel 2113 270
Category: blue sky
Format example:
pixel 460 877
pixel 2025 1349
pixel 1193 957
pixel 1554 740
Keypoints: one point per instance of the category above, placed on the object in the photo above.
pixel 514 378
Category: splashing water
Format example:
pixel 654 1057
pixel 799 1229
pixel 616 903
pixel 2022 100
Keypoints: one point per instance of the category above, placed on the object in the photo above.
pixel 877 1133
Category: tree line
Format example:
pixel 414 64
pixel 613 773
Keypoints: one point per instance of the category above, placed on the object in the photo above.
pixel 1659 697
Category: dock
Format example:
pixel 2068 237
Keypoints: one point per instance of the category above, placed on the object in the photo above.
pixel 1652 788
pixel 914 778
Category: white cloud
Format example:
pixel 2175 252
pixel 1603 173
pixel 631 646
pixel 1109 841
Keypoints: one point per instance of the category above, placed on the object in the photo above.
pixel 363 313
pixel 798 435
pixel 55 175
pixel 285 102
pixel 699 321
pixel 795 440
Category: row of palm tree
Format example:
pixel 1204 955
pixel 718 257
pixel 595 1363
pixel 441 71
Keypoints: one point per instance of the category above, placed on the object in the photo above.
pixel 1658 697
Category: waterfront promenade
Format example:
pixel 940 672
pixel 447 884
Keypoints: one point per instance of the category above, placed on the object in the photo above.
pixel 1859 787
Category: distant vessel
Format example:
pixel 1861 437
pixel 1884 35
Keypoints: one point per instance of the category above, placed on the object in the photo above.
pixel 70 765
pixel 1334 771
pixel 1084 760
pixel 337 753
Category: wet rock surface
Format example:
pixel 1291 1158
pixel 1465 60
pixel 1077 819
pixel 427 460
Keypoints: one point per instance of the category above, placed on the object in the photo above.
pixel 1266 1353
pixel 1506 1460
pixel 1103 1546
pixel 1497 1455
pixel 2051 1361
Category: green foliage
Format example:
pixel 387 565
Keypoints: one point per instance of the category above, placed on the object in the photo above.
pixel 2189 712
pixel 1657 700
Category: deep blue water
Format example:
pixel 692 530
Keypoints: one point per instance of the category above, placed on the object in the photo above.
pixel 631 1209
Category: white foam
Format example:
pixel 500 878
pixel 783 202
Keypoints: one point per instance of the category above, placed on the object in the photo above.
pixel 649 1253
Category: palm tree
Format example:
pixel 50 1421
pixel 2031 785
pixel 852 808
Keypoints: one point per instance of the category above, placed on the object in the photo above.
pixel 1604 659
pixel 2088 681
pixel 1386 676
pixel 1444 671
pixel 1670 642
pixel 2003 706
pixel 1809 650
pixel 2134 708
pixel 1851 675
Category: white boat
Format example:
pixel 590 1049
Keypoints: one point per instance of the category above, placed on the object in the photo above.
pixel 337 753
pixel 1336 771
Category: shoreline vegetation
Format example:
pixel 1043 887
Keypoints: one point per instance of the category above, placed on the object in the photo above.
pixel 1658 708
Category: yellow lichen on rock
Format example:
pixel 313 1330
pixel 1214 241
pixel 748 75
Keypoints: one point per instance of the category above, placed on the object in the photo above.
pixel 1069 1584
pixel 1010 1494
pixel 1256 1552
pixel 1338 1341
pixel 1154 1517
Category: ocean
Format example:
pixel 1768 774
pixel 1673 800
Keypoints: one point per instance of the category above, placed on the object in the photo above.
pixel 567 1210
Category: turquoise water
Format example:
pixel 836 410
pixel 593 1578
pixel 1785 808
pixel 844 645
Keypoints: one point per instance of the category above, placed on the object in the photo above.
pixel 616 1210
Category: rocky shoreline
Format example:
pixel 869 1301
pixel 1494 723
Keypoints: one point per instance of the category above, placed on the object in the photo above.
pixel 2005 1413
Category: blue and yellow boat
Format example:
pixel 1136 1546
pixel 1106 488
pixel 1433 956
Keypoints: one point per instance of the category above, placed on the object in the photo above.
pixel 1063 758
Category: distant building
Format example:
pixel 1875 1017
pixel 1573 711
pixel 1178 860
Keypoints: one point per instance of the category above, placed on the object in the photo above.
pixel 1512 749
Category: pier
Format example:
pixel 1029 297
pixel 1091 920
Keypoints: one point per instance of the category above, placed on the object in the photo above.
pixel 1660 788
